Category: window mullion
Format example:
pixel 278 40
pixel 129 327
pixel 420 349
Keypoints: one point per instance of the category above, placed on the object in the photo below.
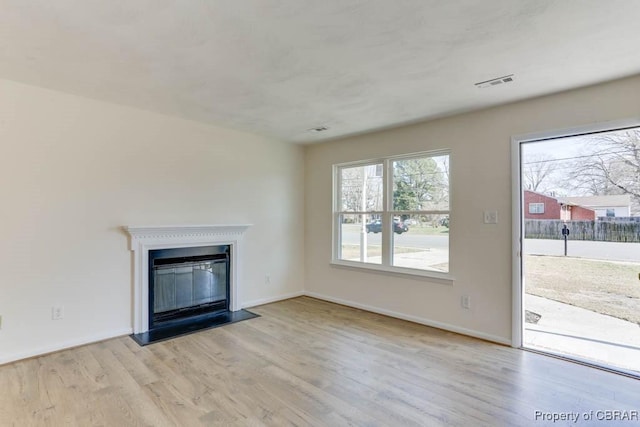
pixel 387 234
pixel 336 249
pixel 337 236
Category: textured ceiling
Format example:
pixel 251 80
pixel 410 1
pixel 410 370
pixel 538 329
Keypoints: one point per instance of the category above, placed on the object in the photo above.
pixel 280 67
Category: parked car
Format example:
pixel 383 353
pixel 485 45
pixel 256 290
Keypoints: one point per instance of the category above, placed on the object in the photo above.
pixel 375 226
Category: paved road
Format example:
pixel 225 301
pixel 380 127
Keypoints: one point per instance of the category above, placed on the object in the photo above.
pixel 611 251
pixel 351 236
pixel 629 252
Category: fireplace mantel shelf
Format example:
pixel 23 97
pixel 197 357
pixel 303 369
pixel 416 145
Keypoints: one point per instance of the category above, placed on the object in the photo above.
pixel 177 231
pixel 146 238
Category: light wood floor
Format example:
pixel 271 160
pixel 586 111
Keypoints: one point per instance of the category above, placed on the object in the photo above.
pixel 305 362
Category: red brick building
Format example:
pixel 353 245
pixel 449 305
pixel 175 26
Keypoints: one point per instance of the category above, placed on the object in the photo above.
pixel 578 213
pixel 539 206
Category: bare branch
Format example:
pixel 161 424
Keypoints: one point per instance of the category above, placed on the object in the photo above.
pixel 537 170
pixel 611 165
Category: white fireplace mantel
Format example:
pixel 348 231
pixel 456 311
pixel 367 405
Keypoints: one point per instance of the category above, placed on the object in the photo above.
pixel 146 238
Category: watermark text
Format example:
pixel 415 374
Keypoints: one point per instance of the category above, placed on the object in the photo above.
pixel 595 415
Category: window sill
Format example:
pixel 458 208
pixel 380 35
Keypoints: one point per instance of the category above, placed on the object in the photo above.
pixel 442 278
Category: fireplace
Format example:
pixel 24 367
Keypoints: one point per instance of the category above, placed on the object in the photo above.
pixel 185 278
pixel 187 282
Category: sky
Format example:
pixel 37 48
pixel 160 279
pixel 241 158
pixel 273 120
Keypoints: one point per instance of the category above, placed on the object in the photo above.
pixel 565 150
pixel 564 153
pixel 557 148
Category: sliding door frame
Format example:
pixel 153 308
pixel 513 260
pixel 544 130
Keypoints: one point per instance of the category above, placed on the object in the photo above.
pixel 517 233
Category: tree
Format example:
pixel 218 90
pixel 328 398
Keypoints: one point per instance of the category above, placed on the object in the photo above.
pixel 419 184
pixel 537 171
pixel 352 180
pixel 610 165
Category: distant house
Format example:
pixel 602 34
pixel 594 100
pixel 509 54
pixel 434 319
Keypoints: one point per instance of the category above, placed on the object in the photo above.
pixel 540 206
pixel 604 206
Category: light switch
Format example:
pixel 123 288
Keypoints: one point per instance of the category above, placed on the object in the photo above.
pixel 490 217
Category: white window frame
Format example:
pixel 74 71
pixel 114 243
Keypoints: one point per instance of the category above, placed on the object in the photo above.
pixel 387 215
pixel 536 211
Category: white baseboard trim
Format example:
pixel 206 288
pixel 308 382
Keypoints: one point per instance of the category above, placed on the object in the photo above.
pixel 269 300
pixel 41 351
pixel 414 319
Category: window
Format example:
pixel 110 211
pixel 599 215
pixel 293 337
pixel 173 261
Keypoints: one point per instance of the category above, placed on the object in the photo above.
pixel 536 208
pixel 611 213
pixel 392 214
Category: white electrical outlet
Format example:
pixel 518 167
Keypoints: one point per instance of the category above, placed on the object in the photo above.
pixel 57 312
pixel 490 217
pixel 465 302
pixel 267 279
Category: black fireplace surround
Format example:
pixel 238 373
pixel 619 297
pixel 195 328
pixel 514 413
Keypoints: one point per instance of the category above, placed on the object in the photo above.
pixel 187 282
pixel 189 290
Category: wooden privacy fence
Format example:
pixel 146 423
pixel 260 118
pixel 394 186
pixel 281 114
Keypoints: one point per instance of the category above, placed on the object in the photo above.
pixel 604 231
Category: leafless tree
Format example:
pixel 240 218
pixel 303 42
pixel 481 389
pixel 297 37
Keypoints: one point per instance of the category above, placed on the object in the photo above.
pixel 537 170
pixel 610 165
pixel 352 187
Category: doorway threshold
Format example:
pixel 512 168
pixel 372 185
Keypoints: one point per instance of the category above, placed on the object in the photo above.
pixel 584 362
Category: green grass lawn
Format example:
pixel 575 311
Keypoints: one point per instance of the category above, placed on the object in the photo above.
pixel 604 287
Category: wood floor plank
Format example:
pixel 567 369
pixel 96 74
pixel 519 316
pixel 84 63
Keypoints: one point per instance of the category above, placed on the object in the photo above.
pixel 305 362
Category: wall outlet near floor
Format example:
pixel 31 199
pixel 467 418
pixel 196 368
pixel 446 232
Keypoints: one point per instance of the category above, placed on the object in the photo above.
pixel 465 302
pixel 57 312
pixel 267 279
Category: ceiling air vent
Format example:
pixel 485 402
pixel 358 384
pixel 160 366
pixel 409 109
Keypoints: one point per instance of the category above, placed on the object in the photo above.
pixel 318 129
pixel 495 82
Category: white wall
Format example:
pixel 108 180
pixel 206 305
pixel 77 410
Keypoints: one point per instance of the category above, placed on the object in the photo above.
pixel 481 180
pixel 73 171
